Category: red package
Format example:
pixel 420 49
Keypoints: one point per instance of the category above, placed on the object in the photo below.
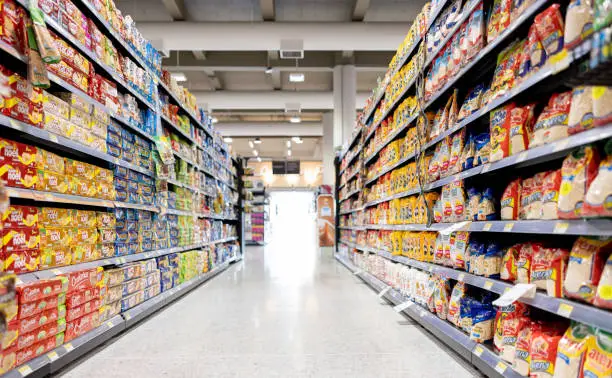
pixel 78 298
pixel 50 8
pixel 22 88
pixel 537 54
pixel 82 325
pixel 34 322
pixel 9 337
pixel 527 187
pixel 549 26
pixel 72 76
pixel 521 126
pixel 71 56
pixel 12 152
pixel 23 110
pixel 27 339
pixel 84 279
pixel 19 239
pixel 511 200
pixel 547 268
pixel 500 135
pixel 22 261
pixel 40 289
pixel 20 217
pixel 550 188
pixel 508 270
pixel 579 169
pixel 523 264
pixel 84 309
pixel 506 315
pixel 543 352
pixel 18 176
pixel 25 355
pixel 8 358
pixel 10 14
pixel 32 308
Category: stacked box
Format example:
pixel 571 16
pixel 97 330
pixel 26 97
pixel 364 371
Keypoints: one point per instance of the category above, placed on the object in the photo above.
pixel 41 319
pixel 133 187
pixel 188 266
pixel 83 300
pixel 169 271
pixel 25 102
pixel 9 313
pixel 134 231
pixel 18 164
pixel 160 231
pixel 130 285
pixel 20 239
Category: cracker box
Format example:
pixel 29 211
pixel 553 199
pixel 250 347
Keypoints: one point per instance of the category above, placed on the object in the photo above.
pixel 105 190
pixel 53 182
pixel 55 105
pixel 56 237
pixel 85 235
pixel 84 309
pixel 49 161
pixel 113 277
pixel 18 176
pixel 55 217
pixel 78 298
pixel 84 253
pixel 82 325
pixel 22 261
pixel 51 258
pixel 40 334
pixel 114 293
pixel 98 128
pixel 84 218
pixel 132 300
pixel 46 317
pixel 105 219
pixel 80 118
pixel 84 279
pixel 20 217
pixel 23 110
pixel 13 153
pixel 100 115
pixel 37 290
pixel 10 14
pixel 19 239
pixel 76 168
pixel 56 124
pixel 107 235
pixel 28 309
pixel 107 250
pixel 83 187
pixel 22 88
pixel 49 7
pixel 8 359
pixel 98 144
pixel 72 57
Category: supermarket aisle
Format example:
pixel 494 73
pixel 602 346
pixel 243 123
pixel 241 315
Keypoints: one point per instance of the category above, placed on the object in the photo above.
pixel 286 312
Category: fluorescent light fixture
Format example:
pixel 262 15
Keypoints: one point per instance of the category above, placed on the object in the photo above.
pixel 228 140
pixel 296 77
pixel 251 144
pixel 257 141
pixel 214 120
pixel 295 119
pixel 288 143
pixel 269 70
pixel 178 76
pixel 288 152
pixel 259 159
pixel 255 153
pixel 297 140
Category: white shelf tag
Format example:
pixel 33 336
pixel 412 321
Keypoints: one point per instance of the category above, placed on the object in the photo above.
pixel 384 291
pixel 478 350
pixel 561 228
pixel 488 285
pixel 500 367
pixel 565 310
pixel 512 295
pixel 52 356
pixel 402 306
pixel 508 226
pixel 487 226
pixel 25 370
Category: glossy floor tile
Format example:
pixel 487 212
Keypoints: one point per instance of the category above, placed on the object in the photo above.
pixel 288 310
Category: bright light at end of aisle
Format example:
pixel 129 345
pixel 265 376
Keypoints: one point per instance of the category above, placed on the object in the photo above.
pixel 288 144
pixel 295 119
pixel 257 141
pixel 178 76
pixel 259 159
pixel 292 179
pixel 214 120
pixel 228 140
pixel 296 77
pixel 289 152
pixel 251 144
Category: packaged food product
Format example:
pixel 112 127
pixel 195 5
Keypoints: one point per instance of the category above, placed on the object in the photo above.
pixel 483 319
pixel 458 249
pixel 84 279
pixel 603 296
pixel 17 216
pixel 581 110
pixel 455 302
pixel 534 209
pixel 27 309
pixel 578 171
pixel 56 237
pixel 602 105
pixel 552 122
pixel 15 153
pixel 522 355
pixel 19 239
pixel 571 351
pixel 75 101
pixel 55 105
pixel 50 162
pixel 53 182
pixel 508 268
pixel 586 262
pixel 80 118
pixel 472 102
pixel 500 18
pixel 598 199
pixel 537 54
pixel 81 325
pixel 510 201
pixel 508 320
pixel 456 150
pixel 520 128
pixel 579 23
pixel 500 135
pixel 441 297
pixel 46 317
pixel 487 206
pixel 549 25
pixel 507 69
pixel 482 149
pixel 548 269
pixel 475 35
pixel 543 352
pixel 472 205
pixel 598 360
pixel 550 196
pixel 34 291
pixel 523 264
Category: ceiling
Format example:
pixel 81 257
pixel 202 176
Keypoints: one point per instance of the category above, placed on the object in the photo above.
pixel 309 149
pixel 226 47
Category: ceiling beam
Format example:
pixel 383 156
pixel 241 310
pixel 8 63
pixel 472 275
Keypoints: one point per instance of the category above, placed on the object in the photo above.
pixel 359 9
pixel 271 100
pixel 266 36
pixel 176 9
pixel 199 55
pixel 381 69
pixel 267 129
pixel 267 10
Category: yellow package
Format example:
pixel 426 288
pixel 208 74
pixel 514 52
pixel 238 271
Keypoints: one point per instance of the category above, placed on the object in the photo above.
pixel 84 236
pixel 84 218
pixel 83 187
pixel 80 118
pixel 100 115
pixel 54 217
pixel 98 128
pixel 52 104
pixel 98 144
pixel 80 169
pixel 396 240
pixel 52 182
pixel 56 125
pixel 105 190
pixel 598 361
pixel 104 219
pixel 49 161
pixel 85 253
pixel 51 258
pixel 103 174
pixel 55 237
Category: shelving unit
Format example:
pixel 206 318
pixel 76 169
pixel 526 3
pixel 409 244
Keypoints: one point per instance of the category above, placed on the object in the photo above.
pixel 210 156
pixel 360 224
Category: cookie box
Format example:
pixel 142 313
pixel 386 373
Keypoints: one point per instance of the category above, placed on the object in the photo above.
pixel 82 325
pixel 107 235
pixel 101 116
pixel 152 291
pixel 56 124
pixel 80 169
pixel 103 174
pixel 71 56
pixel 53 182
pixel 85 235
pixel 31 323
pixel 55 105
pixel 107 250
pixel 113 294
pixel 52 258
pixel 78 298
pixel 84 309
pixel 22 88
pixel 98 128
pixel 121 249
pixel 13 153
pixel 10 334
pixel 105 190
pixel 83 187
pixel 80 118
pixel 37 290
pixel 84 279
pixel 84 253
pixel 105 219
pixel 20 217
pixel 132 300
pixel 132 286
pixel 56 237
pixel 55 217
pixel 72 76
pixel 19 239
pixel 48 161
pixel 8 359
pixel 113 277
pixel 29 309
pixel 40 334
pixel 26 354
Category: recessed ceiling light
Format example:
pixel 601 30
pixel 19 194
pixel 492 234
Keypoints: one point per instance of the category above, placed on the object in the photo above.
pixel 178 76
pixel 228 140
pixel 255 152
pixel 214 120
pixel 251 144
pixel 257 141
pixel 288 143
pixel 297 140
pixel 269 70
pixel 295 119
pixel 288 152
pixel 296 77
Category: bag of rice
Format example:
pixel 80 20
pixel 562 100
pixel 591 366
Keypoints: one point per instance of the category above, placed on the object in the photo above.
pixel 586 263
pixel 549 25
pixel 522 357
pixel 537 54
pixel 500 135
pixel 598 199
pixel 551 186
pixel 523 264
pixel 579 23
pixel 571 351
pixel 602 105
pixel 581 110
pixel 507 322
pixel 492 260
pixel 552 122
pixel 543 352
pixel 578 171
pixel 483 319
pixel 537 195
pixel 465 314
pixel 603 297
pixel 487 206
pixel 547 270
pixel 455 304
pixel 598 361
pixel 510 201
pixel 508 268
pixel 521 127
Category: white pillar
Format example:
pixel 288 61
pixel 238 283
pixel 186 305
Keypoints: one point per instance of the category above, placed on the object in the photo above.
pixel 329 173
pixel 337 112
pixel 349 92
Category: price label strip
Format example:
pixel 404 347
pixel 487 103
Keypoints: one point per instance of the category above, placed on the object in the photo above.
pixel 384 291
pixel 403 306
pixel 52 356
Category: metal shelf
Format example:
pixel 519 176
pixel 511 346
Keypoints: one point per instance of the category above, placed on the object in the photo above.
pixel 355 228
pixel 476 353
pixel 350 211
pixel 349 178
pixel 390 139
pixel 390 168
pixel 350 160
pixel 350 194
pixel 351 143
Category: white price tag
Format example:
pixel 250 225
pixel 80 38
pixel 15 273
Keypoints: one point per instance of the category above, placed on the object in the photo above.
pixel 25 370
pixel 402 306
pixel 461 277
pixel 52 356
pixel 500 367
pixel 516 292
pixel 384 291
pixel 485 168
pixel 488 285
pixel 561 228
pixel 68 347
pixel 522 157
pixel 565 310
pixel 52 138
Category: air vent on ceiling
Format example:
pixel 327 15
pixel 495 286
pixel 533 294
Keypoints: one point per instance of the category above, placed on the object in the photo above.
pixel 292 49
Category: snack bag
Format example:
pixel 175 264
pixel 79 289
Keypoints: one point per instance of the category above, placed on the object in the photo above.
pixel 472 102
pixel 581 110
pixel 500 18
pixel 507 323
pixel 458 249
pixel 510 200
pixel 598 361
pixel 549 25
pixel 547 270
pixel 483 322
pixel 552 122
pixel 487 206
pixel 598 199
pixel 578 171
pixel 550 187
pixel 537 195
pixel 586 263
pixel 483 149
pixel 456 150
pixel 508 267
pixel 579 24
pixel 543 352
pixel 603 297
pixel 455 303
pixel 441 297
pixel 571 351
pixel 500 135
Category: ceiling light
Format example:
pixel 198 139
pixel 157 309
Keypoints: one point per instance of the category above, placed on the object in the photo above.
pixel 228 140
pixel 297 140
pixel 259 159
pixel 296 77
pixel 288 152
pixel 214 120
pixel 295 119
pixel 251 144
pixel 178 76
pixel 257 141
pixel 255 152
pixel 288 143
pixel 269 70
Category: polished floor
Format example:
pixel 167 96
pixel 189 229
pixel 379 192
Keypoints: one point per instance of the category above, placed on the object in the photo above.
pixel 288 310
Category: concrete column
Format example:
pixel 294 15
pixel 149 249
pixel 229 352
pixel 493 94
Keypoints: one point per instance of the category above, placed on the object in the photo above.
pixel 337 112
pixel 345 92
pixel 329 175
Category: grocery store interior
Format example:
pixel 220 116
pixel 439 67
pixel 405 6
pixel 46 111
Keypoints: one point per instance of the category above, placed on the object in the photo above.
pixel 306 188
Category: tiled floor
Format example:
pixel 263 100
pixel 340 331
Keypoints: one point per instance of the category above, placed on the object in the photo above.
pixel 289 310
